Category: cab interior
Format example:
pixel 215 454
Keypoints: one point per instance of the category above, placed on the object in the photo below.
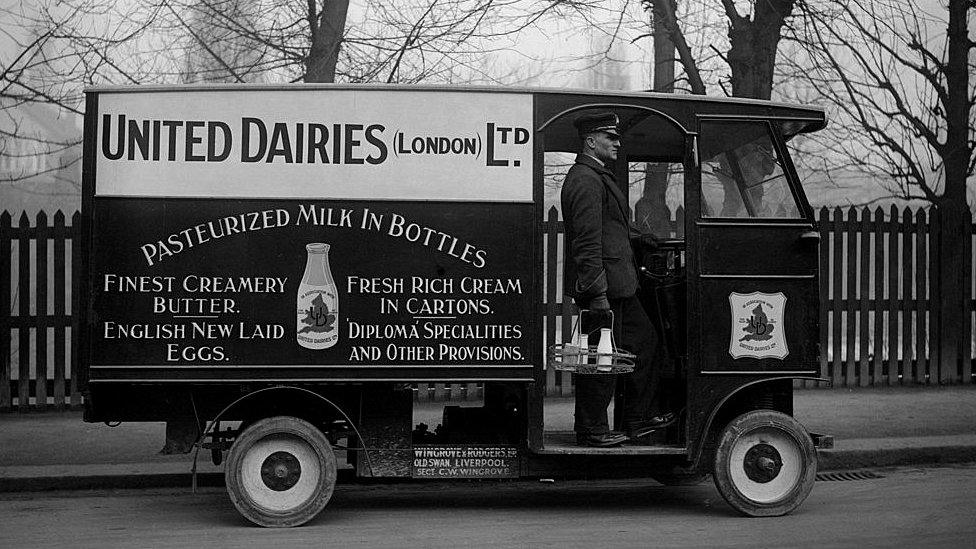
pixel 650 172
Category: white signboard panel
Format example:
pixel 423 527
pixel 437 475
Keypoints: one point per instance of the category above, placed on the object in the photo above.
pixel 314 143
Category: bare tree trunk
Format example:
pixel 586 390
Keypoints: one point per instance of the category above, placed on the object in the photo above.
pixel 326 33
pixel 651 210
pixel 663 47
pixel 954 217
pixel 664 11
pixel 752 55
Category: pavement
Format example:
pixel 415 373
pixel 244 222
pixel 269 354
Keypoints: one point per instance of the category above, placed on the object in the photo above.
pixel 872 427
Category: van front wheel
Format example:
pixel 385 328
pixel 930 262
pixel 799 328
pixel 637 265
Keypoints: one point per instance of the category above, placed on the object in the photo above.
pixel 281 472
pixel 765 464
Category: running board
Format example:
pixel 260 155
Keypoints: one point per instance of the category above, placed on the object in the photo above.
pixel 564 443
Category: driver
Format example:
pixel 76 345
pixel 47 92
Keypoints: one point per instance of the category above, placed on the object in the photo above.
pixel 600 275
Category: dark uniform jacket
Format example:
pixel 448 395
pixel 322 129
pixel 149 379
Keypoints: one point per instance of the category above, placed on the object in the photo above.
pixel 599 257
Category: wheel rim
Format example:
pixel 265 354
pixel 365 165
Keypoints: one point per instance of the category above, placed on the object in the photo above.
pixel 766 464
pixel 280 473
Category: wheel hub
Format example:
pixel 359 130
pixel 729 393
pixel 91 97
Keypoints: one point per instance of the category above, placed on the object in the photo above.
pixel 280 471
pixel 762 463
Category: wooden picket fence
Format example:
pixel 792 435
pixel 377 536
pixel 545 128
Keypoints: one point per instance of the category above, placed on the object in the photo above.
pixel 876 285
pixel 881 317
pixel 44 321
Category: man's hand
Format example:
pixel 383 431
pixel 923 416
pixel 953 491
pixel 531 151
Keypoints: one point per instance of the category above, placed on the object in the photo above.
pixel 644 245
pixel 648 243
pixel 599 315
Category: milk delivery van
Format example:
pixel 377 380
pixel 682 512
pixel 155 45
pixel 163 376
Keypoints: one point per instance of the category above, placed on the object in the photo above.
pixel 272 270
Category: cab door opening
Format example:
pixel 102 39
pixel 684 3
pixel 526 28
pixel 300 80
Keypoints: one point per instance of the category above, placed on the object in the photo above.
pixel 650 172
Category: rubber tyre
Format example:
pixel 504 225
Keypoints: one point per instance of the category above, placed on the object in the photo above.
pixel 281 472
pixel 765 464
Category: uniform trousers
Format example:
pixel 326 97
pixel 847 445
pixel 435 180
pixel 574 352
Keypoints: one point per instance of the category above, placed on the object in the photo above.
pixel 634 333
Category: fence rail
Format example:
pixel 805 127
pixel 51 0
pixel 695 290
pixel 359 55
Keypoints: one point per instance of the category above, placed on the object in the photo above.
pixel 878 319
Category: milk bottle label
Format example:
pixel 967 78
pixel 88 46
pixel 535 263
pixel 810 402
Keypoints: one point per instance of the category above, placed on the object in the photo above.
pixel 318 302
pixel 317 315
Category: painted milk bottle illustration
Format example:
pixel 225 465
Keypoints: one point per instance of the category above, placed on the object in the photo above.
pixel 318 301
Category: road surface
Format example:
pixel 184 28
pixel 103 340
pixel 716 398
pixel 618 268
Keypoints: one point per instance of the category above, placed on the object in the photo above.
pixel 925 507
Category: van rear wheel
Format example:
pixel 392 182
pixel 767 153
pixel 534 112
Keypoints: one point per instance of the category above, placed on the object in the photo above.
pixel 281 472
pixel 765 464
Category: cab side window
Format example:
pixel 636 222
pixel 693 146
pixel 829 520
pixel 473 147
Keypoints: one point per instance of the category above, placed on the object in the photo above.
pixel 741 174
pixel 656 196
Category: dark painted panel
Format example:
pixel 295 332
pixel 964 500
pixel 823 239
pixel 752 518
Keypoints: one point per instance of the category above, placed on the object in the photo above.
pixel 161 402
pixel 181 282
pixel 719 331
pixel 745 249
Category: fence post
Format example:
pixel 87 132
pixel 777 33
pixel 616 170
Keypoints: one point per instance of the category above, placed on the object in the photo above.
pixel 921 303
pixel 59 310
pixel 23 297
pixel 837 296
pixel 77 259
pixel 40 312
pixel 565 378
pixel 906 304
pixel 878 303
pixel 863 297
pixel 5 311
pixel 893 296
pixel 551 251
pixel 823 222
pixel 850 360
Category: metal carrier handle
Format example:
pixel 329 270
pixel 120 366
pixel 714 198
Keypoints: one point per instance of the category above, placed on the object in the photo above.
pixel 573 357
